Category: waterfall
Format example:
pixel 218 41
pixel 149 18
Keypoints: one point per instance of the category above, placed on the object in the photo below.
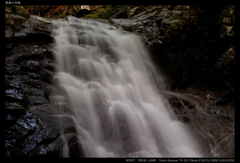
pixel 112 93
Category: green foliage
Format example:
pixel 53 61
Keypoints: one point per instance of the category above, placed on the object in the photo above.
pixel 16 8
pixel 107 11
pixel 102 13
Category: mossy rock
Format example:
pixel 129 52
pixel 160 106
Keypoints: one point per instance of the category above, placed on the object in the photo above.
pixel 179 8
pixel 20 10
pixel 14 21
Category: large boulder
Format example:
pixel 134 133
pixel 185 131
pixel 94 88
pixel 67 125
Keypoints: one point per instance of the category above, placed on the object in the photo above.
pixel 15 15
pixel 13 23
pixel 29 30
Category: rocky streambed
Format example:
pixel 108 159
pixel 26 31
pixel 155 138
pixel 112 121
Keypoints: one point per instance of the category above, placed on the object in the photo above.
pixel 29 70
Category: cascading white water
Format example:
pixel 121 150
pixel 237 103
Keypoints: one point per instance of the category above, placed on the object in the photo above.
pixel 113 94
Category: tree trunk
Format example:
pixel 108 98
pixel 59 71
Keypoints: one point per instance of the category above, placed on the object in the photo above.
pixel 128 8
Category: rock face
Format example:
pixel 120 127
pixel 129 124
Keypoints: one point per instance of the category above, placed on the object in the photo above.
pixel 12 23
pixel 134 11
pixel 29 69
pixel 211 121
pixel 179 38
pixel 224 68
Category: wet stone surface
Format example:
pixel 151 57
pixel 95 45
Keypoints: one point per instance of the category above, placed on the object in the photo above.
pixel 211 122
pixel 29 69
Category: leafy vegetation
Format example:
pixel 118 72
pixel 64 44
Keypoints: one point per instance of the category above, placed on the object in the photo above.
pixel 107 11
pixel 16 8
pixel 102 12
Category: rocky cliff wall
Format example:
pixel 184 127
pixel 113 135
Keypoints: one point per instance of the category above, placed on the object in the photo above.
pixel 29 70
pixel 188 41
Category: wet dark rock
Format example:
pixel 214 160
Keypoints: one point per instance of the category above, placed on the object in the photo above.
pixel 37 100
pixel 14 105
pixel 11 117
pixel 55 148
pixel 48 91
pixel 34 75
pixel 223 69
pixel 32 91
pixel 26 52
pixel 226 147
pixel 75 150
pixel 49 65
pixel 46 75
pixel 14 152
pixel 33 30
pixel 32 35
pixel 225 114
pixel 175 102
pixel 184 118
pixel 11 68
pixel 29 131
pixel 16 95
pixel 36 83
pixel 8 47
pixel 24 124
pixel 30 65
pixel 20 35
pixel 28 69
pixel 60 141
pixel 210 122
pixel 40 136
pixel 69 130
pixel 41 152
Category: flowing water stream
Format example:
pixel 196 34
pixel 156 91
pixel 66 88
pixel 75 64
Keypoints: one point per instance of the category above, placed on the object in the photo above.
pixel 113 94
